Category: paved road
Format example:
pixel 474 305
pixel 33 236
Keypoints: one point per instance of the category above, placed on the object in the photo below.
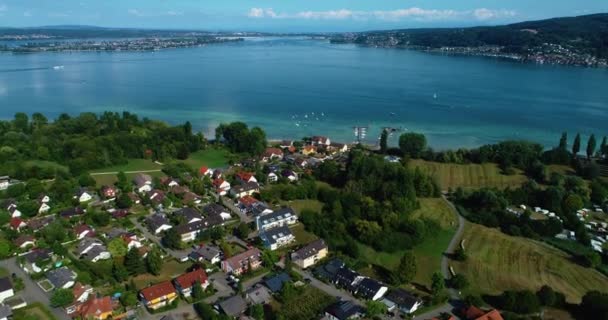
pixel 329 289
pixel 32 292
pixel 454 243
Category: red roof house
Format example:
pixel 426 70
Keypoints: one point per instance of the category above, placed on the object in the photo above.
pixel 185 282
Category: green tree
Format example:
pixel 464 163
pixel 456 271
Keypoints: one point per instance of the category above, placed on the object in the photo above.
pixel 128 299
pixel 243 230
pixel 437 283
pixel 563 141
pixel 406 271
pixel 134 263
pixel 85 180
pixel 604 146
pixel 594 305
pixel 154 262
pixel 21 122
pixel 412 144
pixel 172 239
pixel 119 272
pixel 384 141
pixel 256 311
pixel 459 282
pixel 62 298
pixel 197 291
pixel 572 203
pixel 546 296
pixel 124 201
pixel 117 247
pixel 374 308
pixel 576 146
pixel 5 248
pixel 591 145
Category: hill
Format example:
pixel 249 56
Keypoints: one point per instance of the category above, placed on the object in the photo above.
pixel 573 40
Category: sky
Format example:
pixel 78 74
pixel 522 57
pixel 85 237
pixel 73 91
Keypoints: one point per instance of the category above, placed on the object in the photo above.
pixel 287 15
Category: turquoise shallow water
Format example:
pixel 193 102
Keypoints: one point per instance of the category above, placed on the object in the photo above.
pixel 278 83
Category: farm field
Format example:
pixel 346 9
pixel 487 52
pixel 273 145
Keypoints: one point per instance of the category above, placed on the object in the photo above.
pixel 499 262
pixel 468 176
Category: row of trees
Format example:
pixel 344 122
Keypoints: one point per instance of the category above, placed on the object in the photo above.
pixel 238 138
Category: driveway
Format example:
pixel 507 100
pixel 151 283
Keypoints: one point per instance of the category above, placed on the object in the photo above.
pixel 32 292
pixel 229 203
pixel 329 289
pixel 177 254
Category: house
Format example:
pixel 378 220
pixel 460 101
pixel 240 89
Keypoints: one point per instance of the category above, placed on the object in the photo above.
pixel 143 182
pixel 272 154
pixel 82 231
pixel 244 177
pixel 347 279
pixel 370 289
pixel 204 171
pixel 272 177
pixel 241 262
pixel 134 198
pixel 6 289
pixel 209 253
pixel 44 208
pixel 310 254
pixel 338 147
pixel 189 231
pixel 81 292
pixel 275 283
pixel 86 245
pixel 258 295
pixel 281 217
pixel 309 150
pixel 403 300
pixel 474 313
pixel 6 312
pixel 289 175
pixel 39 223
pixel 5 181
pixel 83 195
pixel 92 250
pixel 108 192
pixel 156 196
pixel 245 189
pixel 191 198
pixel 217 174
pixel 25 241
pixel 245 204
pixel 186 281
pixel 285 144
pixel 277 237
pixel 15 213
pixel 36 261
pixel 188 215
pixel 169 182
pixel 158 223
pixel 96 308
pixel 158 295
pixel 329 270
pixel 320 141
pixel 301 163
pixel 17 224
pixel 119 213
pixel 43 198
pixel 61 278
pixel 234 306
pixel 71 213
pixel 131 241
pixel 221 186
pixel 214 209
pixel 343 310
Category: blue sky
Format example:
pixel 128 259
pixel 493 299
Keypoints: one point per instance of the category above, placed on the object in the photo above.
pixel 287 15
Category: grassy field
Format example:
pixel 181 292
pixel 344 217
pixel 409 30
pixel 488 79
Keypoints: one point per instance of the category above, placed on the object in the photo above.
pixel 299 205
pixel 302 236
pixel 428 254
pixel 468 176
pixel 35 310
pixel 212 158
pixel 171 269
pixel 498 262
pixel 131 165
pixel 45 164
pixel 110 179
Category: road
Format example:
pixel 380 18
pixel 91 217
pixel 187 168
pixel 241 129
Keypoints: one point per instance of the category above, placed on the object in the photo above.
pixel 177 254
pixel 329 289
pixel 32 292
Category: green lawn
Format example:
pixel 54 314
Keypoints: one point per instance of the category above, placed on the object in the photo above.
pixel 35 310
pixel 436 209
pixel 45 164
pixel 171 269
pixel 468 176
pixel 110 179
pixel 499 262
pixel 131 165
pixel 302 236
pixel 211 158
pixel 299 205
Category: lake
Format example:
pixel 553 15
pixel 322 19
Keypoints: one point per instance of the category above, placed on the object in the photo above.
pixel 295 87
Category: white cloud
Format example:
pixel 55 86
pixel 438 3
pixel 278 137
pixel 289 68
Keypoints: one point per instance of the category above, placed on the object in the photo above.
pixel 413 13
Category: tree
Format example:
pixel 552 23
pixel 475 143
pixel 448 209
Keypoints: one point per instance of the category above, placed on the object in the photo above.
pixel 62 298
pixel 256 311
pixel 576 146
pixel 546 296
pixel 128 299
pixel 459 282
pixel 572 203
pixel 117 247
pixel 412 144
pixel 197 291
pixel 594 305
pixel 460 254
pixel 563 141
pixel 384 141
pixel 437 283
pixel 604 147
pixel 124 201
pixel 5 248
pixel 172 239
pixel 591 145
pixel 226 249
pixel 243 230
pixel 85 180
pixel 406 271
pixel 21 122
pixel 119 272
pixel 154 262
pixel 374 308
pixel 134 263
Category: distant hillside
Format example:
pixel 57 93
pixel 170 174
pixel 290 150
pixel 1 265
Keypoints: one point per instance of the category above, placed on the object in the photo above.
pixel 583 35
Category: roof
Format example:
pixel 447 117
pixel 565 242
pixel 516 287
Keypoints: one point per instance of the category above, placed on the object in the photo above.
pixel 310 249
pixel 272 236
pixel 94 252
pixel 187 280
pixel 240 260
pixel 275 283
pixel 86 243
pixel 402 298
pixel 5 284
pixel 218 182
pixel 248 186
pixel 258 295
pixel 23 239
pixel 208 252
pixel 72 212
pixel 273 151
pixel 5 311
pixel 36 224
pixel 189 227
pixel 37 255
pixel 203 170
pixel 79 289
pixel 244 175
pixel 369 287
pixel 158 290
pixel 281 214
pixel 248 200
pixel 344 310
pixel 346 277
pixel 320 139
pixel 188 214
pixel 234 305
pixel 491 315
pixel 214 209
pixel 16 223
pixel 141 179
pixel 82 228
pixel 59 277
pixel 329 270
pixel 155 221
pixel 96 306
pixel 474 313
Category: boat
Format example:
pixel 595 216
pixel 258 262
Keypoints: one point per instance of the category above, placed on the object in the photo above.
pixel 393 114
pixel 435 96
pixel 58 67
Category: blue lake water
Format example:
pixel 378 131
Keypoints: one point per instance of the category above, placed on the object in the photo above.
pixel 278 83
